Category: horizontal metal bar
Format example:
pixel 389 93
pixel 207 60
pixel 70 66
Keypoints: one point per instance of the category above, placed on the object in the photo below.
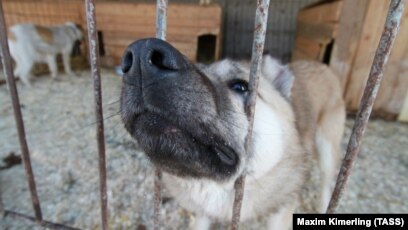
pixel 373 85
pixel 8 71
pixel 43 223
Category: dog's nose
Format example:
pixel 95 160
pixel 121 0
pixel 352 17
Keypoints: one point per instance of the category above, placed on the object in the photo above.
pixel 152 57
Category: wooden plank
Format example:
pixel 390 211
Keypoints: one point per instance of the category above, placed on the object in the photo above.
pixel 129 38
pixel 328 12
pixel 309 47
pixel 49 7
pixel 174 11
pixel 41 20
pixel 395 83
pixel 400 49
pixel 348 38
pixel 369 40
pixel 403 116
pixel 137 30
pixel 396 102
pixel 137 20
pixel 387 87
pixel 321 33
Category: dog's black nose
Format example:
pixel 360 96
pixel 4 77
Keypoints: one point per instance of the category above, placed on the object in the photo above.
pixel 152 57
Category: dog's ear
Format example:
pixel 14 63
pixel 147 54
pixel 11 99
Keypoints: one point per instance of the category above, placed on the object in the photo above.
pixel 279 75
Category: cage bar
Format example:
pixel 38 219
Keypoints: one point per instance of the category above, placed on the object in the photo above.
pixel 157 199
pixel 161 29
pixel 11 83
pixel 161 19
pixel 261 20
pixel 95 69
pixel 373 85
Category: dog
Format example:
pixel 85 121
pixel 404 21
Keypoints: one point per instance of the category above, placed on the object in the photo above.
pixel 192 124
pixel 30 44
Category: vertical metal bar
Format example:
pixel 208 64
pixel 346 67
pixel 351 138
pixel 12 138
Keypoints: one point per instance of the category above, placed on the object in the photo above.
pixel 261 19
pixel 157 199
pixel 1 202
pixel 373 84
pixel 95 68
pixel 161 28
pixel 161 19
pixel 8 71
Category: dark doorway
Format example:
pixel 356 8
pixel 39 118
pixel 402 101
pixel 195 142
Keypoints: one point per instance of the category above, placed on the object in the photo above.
pixel 206 48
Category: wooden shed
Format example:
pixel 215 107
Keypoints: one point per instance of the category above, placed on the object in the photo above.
pixel 345 34
pixel 190 26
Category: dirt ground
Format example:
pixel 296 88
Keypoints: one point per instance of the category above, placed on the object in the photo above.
pixel 60 125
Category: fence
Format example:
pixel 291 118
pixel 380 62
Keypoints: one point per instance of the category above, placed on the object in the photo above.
pixel 373 83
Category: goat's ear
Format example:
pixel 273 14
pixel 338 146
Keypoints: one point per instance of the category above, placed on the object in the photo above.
pixel 279 75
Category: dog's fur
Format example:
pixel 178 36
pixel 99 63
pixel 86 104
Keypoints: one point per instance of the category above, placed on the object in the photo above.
pixel 30 44
pixel 192 123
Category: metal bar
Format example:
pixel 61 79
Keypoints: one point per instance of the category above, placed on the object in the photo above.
pixel 261 19
pixel 373 84
pixel 1 202
pixel 161 28
pixel 1 188
pixel 95 68
pixel 157 199
pixel 8 71
pixel 161 19
pixel 43 223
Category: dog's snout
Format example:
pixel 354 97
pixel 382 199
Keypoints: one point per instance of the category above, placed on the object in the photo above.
pixel 152 57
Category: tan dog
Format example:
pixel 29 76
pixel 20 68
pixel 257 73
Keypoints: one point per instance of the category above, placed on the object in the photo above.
pixel 192 124
pixel 30 44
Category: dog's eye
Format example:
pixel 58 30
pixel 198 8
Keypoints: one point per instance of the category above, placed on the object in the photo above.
pixel 239 86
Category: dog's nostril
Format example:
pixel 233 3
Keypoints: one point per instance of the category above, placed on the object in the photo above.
pixel 159 60
pixel 156 59
pixel 127 62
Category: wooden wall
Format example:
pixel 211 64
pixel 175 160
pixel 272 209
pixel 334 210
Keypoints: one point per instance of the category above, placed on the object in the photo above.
pixel 43 12
pixel 238 24
pixel 353 30
pixel 124 22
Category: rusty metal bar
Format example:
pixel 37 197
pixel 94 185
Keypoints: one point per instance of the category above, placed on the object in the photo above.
pixel 373 84
pixel 261 19
pixel 43 223
pixel 95 68
pixel 161 29
pixel 8 71
pixel 157 199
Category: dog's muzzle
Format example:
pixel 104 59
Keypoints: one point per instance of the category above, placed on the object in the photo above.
pixel 170 108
